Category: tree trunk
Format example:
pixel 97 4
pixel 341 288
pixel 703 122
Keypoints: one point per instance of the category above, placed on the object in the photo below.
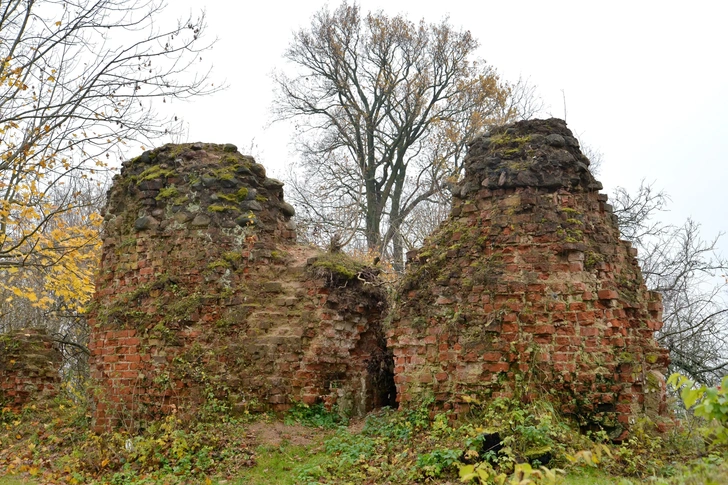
pixel 398 251
pixel 395 219
pixel 372 217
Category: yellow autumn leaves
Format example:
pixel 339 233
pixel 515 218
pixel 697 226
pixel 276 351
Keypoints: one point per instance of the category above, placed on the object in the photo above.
pixel 60 266
pixel 49 241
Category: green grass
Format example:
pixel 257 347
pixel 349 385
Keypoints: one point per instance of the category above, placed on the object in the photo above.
pixel 281 464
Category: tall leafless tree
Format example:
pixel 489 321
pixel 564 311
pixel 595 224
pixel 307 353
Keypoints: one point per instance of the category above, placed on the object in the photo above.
pixel 384 108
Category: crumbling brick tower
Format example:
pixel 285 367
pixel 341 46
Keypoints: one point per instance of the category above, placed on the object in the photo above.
pixel 203 297
pixel 30 364
pixel 527 287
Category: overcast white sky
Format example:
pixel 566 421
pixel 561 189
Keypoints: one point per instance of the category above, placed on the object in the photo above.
pixel 645 82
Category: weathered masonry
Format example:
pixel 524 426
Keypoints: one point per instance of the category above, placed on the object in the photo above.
pixel 204 297
pixel 30 365
pixel 528 288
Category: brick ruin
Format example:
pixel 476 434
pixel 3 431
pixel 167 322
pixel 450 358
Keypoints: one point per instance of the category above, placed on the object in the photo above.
pixel 205 298
pixel 30 364
pixel 527 288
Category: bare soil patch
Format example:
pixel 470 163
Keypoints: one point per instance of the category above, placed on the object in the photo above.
pixel 275 433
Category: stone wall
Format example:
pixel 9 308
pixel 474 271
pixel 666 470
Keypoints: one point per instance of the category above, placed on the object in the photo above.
pixel 527 289
pixel 204 298
pixel 30 365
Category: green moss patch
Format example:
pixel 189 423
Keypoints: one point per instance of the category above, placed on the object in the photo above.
pixel 222 208
pixel 154 172
pixel 224 173
pixel 505 139
pixel 235 198
pixel 220 263
pixel 337 264
pixel 167 192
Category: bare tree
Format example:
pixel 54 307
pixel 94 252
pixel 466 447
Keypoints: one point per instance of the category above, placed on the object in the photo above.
pixel 385 108
pixel 77 80
pixel 690 274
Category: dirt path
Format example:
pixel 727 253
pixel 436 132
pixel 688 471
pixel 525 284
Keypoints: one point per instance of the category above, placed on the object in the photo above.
pixel 277 433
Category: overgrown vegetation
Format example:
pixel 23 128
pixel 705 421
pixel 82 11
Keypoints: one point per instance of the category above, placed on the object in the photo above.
pixel 316 415
pixel 501 442
pixel 54 444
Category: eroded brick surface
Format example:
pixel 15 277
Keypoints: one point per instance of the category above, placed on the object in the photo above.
pixel 205 299
pixel 30 363
pixel 527 288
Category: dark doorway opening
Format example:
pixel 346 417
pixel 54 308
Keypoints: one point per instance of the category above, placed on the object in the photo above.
pixel 381 375
pixel 377 366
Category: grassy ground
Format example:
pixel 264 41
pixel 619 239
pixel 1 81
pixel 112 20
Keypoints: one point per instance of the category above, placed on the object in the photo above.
pixel 280 465
pixel 52 445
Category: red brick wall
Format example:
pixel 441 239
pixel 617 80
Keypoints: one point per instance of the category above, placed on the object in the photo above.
pixel 30 365
pixel 204 294
pixel 527 289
